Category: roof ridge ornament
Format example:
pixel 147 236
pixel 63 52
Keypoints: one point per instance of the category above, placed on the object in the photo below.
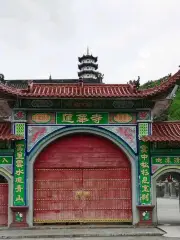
pixel 135 84
pixel 30 85
pixel 2 78
pixel 81 82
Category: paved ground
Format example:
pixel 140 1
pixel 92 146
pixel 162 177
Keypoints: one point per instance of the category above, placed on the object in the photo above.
pixel 168 211
pixel 79 232
pixel 107 238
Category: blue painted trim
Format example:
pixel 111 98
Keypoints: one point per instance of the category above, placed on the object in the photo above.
pixel 138 166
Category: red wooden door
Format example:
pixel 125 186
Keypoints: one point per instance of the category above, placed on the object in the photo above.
pixel 107 195
pixel 57 195
pixel 81 179
pixel 3 204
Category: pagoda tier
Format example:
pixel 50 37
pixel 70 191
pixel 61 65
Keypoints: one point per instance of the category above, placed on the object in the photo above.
pixel 87 57
pixel 87 74
pixel 85 66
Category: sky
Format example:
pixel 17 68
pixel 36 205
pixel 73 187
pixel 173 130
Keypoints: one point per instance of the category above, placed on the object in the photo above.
pixel 130 37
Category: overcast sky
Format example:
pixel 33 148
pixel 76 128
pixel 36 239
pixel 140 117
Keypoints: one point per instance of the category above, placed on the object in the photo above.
pixel 130 38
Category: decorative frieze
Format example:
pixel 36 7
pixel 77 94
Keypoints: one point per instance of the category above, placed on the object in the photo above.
pixel 42 118
pixel 85 104
pixel 20 129
pixel 145 115
pixel 19 115
pixel 143 129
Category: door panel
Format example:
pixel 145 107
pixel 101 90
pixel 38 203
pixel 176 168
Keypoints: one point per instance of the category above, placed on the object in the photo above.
pixel 56 195
pixel 109 201
pixel 3 204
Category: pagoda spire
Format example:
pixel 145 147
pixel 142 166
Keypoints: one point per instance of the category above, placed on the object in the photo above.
pixel 87 50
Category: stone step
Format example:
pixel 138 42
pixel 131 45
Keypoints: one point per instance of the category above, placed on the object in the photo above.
pixel 78 232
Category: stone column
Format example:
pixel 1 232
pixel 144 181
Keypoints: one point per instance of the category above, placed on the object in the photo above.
pixel 166 189
pixel 173 190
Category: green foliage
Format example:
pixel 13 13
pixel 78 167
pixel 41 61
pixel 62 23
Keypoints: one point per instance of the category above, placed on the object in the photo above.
pixel 174 109
pixel 173 112
pixel 151 84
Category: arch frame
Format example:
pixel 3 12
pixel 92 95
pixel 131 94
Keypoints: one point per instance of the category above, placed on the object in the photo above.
pixel 9 178
pixel 77 130
pixel 156 175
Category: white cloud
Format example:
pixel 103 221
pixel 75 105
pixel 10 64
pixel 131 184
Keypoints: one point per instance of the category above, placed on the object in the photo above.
pixel 130 37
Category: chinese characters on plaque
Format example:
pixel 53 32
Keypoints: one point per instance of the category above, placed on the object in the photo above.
pixel 166 160
pixel 19 178
pixel 6 160
pixel 82 118
pixel 145 177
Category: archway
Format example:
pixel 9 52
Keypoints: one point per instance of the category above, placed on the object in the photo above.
pixel 3 201
pixel 82 178
pixel 166 198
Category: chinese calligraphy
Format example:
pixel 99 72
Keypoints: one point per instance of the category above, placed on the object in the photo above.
pixel 19 169
pixel 82 118
pixel 165 160
pixel 6 159
pixel 145 179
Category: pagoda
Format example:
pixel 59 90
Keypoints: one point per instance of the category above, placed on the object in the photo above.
pixel 88 67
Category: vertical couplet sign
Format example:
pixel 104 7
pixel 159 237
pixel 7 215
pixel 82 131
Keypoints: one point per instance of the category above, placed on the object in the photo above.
pixel 145 177
pixel 19 174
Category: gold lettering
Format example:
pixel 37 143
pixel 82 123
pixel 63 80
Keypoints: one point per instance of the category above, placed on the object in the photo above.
pixel 144 149
pixel 19 188
pixel 19 147
pixel 167 160
pixel 96 118
pixel 145 197
pixel 19 180
pixel 20 155
pixel 176 160
pixel 19 163
pixel 145 188
pixel 144 156
pixel 67 117
pixel 19 172
pixel 144 165
pixel 82 118
pixel 145 172
pixel 4 160
pixel 19 198
pixel 158 160
pixel 145 180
